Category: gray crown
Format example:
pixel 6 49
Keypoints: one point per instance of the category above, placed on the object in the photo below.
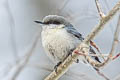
pixel 54 19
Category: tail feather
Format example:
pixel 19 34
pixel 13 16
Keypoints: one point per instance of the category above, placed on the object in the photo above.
pixel 93 52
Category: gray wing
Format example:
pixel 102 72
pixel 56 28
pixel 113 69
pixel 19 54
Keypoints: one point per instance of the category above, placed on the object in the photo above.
pixel 70 29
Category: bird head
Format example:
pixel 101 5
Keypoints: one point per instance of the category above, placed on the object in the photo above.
pixel 53 21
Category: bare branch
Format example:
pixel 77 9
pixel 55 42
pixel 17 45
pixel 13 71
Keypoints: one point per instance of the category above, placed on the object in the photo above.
pixel 116 35
pixel 84 48
pixel 101 74
pixel 102 15
pixel 115 57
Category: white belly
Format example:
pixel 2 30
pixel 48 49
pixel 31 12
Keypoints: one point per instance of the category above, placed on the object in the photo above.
pixel 58 43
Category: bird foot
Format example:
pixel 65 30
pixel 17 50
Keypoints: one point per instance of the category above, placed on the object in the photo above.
pixel 56 66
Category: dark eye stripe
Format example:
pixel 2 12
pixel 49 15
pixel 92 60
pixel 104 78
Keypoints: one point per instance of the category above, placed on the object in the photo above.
pixel 56 22
pixel 52 22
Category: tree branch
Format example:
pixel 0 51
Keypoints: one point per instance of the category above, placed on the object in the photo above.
pixel 84 48
pixel 102 15
pixel 116 35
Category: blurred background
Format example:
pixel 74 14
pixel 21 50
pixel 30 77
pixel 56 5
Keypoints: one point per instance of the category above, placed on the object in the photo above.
pixel 18 32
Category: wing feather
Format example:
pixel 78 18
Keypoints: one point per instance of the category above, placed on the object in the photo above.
pixel 70 29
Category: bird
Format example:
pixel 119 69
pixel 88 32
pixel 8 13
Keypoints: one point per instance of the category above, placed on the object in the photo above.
pixel 60 38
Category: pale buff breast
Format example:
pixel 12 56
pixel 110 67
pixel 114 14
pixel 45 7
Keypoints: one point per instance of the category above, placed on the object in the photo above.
pixel 58 43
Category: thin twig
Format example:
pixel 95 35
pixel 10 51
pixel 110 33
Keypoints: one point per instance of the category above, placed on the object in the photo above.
pixel 102 15
pixel 114 44
pixel 84 48
pixel 116 35
pixel 95 55
pixel 115 57
pixel 101 74
pixel 96 30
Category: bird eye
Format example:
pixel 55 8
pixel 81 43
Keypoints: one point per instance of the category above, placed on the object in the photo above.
pixel 47 22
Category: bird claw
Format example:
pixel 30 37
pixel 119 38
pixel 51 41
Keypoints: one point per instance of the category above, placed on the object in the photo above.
pixel 56 66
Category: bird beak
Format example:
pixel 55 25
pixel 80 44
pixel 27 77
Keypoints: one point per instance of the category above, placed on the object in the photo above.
pixel 39 22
